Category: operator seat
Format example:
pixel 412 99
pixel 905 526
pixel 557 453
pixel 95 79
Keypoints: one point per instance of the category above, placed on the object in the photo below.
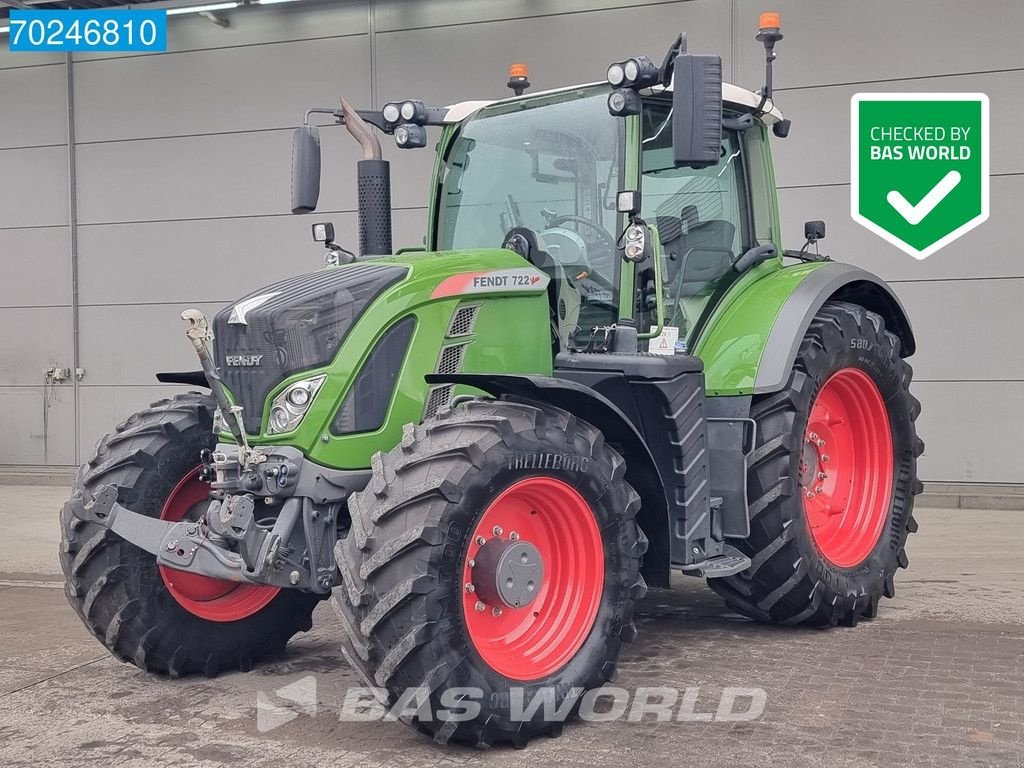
pixel 705 251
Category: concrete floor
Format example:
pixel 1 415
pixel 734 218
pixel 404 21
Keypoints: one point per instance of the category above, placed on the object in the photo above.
pixel 937 679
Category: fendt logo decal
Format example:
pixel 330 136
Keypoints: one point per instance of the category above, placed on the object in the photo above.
pixel 496 281
pixel 244 361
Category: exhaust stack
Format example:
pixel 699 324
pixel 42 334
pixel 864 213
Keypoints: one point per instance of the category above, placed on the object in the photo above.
pixel 373 187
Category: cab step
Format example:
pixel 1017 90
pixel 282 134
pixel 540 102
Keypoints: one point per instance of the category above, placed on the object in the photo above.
pixel 729 563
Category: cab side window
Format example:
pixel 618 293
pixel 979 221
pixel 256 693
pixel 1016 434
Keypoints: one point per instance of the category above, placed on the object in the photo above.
pixel 701 216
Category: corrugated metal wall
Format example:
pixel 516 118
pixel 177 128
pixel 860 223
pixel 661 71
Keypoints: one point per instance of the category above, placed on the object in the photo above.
pixel 182 164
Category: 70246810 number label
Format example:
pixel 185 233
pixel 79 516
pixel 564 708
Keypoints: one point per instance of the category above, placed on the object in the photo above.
pixel 88 30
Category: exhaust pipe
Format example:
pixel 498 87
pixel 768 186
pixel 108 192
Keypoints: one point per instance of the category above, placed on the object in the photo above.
pixel 373 187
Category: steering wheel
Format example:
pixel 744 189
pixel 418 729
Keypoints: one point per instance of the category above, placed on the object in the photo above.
pixel 601 256
pixel 606 238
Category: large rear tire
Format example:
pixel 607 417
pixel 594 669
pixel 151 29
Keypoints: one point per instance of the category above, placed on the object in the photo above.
pixel 832 479
pixel 165 620
pixel 419 600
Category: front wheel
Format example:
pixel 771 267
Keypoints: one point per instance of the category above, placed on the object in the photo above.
pixel 161 619
pixel 493 564
pixel 832 479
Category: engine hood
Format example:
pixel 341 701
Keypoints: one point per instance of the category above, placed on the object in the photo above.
pixel 291 326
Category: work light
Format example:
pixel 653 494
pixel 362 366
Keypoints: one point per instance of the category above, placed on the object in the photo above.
pixel 392 112
pixel 637 72
pixel 624 101
pixel 410 136
pixel 413 112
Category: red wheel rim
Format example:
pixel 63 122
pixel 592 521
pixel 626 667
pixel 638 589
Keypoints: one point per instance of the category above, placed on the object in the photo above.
pixel 846 467
pixel 532 641
pixel 202 596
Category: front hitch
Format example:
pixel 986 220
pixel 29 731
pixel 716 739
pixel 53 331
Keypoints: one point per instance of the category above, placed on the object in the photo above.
pixel 198 546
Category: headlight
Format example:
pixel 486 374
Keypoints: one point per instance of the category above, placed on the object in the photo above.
pixel 636 243
pixel 392 112
pixel 289 407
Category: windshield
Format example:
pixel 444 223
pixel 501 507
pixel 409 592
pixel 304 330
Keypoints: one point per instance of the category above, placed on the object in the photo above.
pixel 550 164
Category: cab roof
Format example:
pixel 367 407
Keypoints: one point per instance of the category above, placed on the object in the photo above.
pixel 731 94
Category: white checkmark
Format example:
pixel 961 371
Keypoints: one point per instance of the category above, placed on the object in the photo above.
pixel 916 213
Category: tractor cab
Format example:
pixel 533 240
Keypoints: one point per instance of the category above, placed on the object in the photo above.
pixel 543 175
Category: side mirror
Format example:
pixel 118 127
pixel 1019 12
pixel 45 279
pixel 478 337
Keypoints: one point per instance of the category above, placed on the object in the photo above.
pixel 305 169
pixel 814 231
pixel 697 110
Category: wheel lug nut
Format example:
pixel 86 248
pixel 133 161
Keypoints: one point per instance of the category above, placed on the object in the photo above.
pixel 821 443
pixel 471 563
pixel 496 611
pixel 497 530
pixel 513 536
pixel 810 494
pixel 824 457
pixel 817 489
pixel 479 606
pixel 480 540
pixel 470 587
pixel 822 475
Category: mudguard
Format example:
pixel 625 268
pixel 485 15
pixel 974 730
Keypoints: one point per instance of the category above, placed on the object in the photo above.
pixel 595 408
pixel 750 343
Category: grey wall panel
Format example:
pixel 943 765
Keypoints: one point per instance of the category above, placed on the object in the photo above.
pixel 33 187
pixel 471 61
pixel 987 251
pixel 838 41
pixel 31 438
pixel 127 345
pixel 36 267
pixel 818 148
pixel 262 86
pixel 971 431
pixel 958 323
pixel 214 260
pixel 22 59
pixel 203 177
pixel 256 25
pixel 401 14
pixel 410 227
pixel 35 338
pixel 41 114
pixel 103 408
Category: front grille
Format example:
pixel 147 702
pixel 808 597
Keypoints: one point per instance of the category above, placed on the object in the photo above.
pixel 291 326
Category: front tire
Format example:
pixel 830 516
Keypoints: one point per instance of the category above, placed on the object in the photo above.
pixel 423 611
pixel 164 620
pixel 832 479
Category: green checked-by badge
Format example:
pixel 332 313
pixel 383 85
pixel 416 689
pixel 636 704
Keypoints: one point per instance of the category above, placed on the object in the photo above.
pixel 919 166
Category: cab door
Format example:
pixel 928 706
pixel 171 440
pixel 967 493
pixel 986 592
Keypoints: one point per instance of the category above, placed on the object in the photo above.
pixel 705 219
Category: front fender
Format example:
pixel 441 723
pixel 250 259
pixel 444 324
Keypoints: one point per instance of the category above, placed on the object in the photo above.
pixel 750 343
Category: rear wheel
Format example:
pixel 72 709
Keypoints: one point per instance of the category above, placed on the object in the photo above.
pixel 161 619
pixel 494 552
pixel 832 479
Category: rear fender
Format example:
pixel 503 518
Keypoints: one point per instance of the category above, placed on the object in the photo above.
pixel 750 344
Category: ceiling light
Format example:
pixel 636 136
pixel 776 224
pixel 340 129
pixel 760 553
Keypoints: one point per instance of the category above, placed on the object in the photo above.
pixel 201 8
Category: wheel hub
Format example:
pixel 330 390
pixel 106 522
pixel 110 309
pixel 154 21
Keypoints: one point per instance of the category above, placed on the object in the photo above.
pixel 533 577
pixel 846 467
pixel 507 573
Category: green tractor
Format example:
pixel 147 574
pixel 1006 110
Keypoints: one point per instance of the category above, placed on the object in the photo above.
pixel 599 369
